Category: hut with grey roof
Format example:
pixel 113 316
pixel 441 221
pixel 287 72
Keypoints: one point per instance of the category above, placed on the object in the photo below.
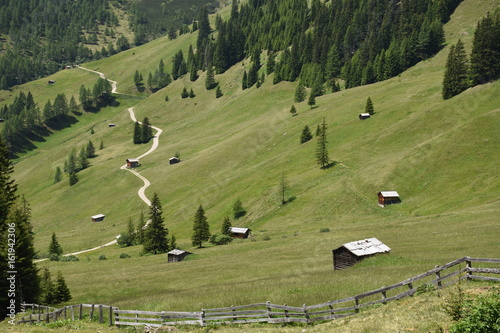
pixel 351 253
pixel 132 163
pixel 236 232
pixel 177 255
pixel 388 198
pixel 98 218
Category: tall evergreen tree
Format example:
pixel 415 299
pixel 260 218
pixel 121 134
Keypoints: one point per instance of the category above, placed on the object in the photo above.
pixel 54 246
pixel 201 232
pixel 48 288
pixel 283 188
pixel 306 134
pixel 90 150
pixel 57 175
pixel 146 130
pixel 155 235
pixel 62 293
pixel 226 226
pixel 369 106
pixel 73 178
pixel 455 75
pixel 210 79
pixel 71 166
pixel 141 229
pixel 321 148
pixel 137 133
pixel 238 210
pixel 300 93
pixel 312 100
pixel 7 186
pixel 83 160
pixel 485 55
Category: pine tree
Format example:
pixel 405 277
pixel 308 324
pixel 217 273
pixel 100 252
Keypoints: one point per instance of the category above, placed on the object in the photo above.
pixel 57 175
pixel 369 106
pixel 137 133
pixel 83 160
pixel 184 93
pixel 90 150
pixel 306 135
pixel 226 226
pixel 218 92
pixel 300 93
pixel 54 247
pixel 155 235
pixel 73 178
pixel 210 79
pixel 71 166
pixel 146 130
pixel 201 232
pixel 191 93
pixel 244 81
pixel 321 149
pixel 62 293
pixel 485 55
pixel 312 100
pixel 455 75
pixel 293 110
pixel 238 210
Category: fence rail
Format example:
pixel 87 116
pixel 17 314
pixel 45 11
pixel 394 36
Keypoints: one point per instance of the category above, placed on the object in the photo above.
pixel 268 312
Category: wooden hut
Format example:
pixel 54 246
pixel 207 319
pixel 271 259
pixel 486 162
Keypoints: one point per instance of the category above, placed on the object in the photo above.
pixel 177 255
pixel 364 116
pixel 350 253
pixel 173 160
pixel 111 124
pixel 52 81
pixel 2 120
pixel 132 163
pixel 239 232
pixel 98 218
pixel 388 198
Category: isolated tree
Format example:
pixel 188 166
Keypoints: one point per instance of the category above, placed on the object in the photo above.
pixel 306 134
pixel 312 100
pixel 73 178
pixel 54 247
pixel 238 210
pixel 57 175
pixel 146 130
pixel 191 93
pixel 369 106
pixel 218 92
pixel 62 293
pixel 137 133
pixel 283 188
pixel 166 98
pixel 455 76
pixel 155 236
pixel 90 150
pixel 184 93
pixel 293 110
pixel 300 93
pixel 321 149
pixel 226 226
pixel 201 231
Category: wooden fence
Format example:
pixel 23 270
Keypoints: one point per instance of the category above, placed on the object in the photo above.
pixel 439 277
pixel 40 313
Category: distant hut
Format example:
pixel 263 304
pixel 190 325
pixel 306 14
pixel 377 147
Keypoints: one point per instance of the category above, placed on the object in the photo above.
pixel 111 125
pixel 239 232
pixel 2 120
pixel 67 67
pixel 351 253
pixel 98 218
pixel 173 160
pixel 177 255
pixel 388 198
pixel 52 81
pixel 132 163
pixel 364 116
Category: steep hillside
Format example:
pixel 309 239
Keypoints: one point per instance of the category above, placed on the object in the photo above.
pixel 441 156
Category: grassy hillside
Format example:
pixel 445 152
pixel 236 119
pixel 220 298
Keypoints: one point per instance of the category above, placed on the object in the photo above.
pixel 441 156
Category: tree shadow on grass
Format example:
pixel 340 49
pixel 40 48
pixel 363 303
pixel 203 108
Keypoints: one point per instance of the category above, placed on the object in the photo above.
pixel 330 165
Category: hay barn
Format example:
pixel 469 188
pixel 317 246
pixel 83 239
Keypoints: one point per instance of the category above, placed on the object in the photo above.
pixel 173 160
pixel 177 255
pixel 239 232
pixel 351 253
pixel 364 116
pixel 132 163
pixel 98 218
pixel 388 198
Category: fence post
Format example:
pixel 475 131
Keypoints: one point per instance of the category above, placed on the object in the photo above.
pixel 80 316
pixel 410 287
pixel 110 315
pixel 202 318
pixel 286 313
pixel 438 277
pixel 384 296
pixel 91 312
pixel 331 308
pixel 269 310
pixel 72 313
pixel 357 305
pixel 101 317
pixel 468 267
pixel 305 313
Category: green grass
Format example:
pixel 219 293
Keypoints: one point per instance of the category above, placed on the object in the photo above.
pixel 441 156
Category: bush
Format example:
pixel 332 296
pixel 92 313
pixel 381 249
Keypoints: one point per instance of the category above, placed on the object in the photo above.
pixel 483 315
pixel 124 256
pixel 425 288
pixel 266 237
pixel 324 230
pixel 69 258
pixel 218 239
pixel 54 257
pixel 103 257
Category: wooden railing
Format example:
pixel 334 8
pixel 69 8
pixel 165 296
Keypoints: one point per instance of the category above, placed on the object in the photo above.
pixel 99 311
pixel 439 277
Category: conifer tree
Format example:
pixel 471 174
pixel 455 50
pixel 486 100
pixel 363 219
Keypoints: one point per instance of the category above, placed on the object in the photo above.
pixel 62 293
pixel 90 150
pixel 7 186
pixel 312 100
pixel 155 235
pixel 210 79
pixel 73 178
pixel 57 175
pixel 184 93
pixel 146 130
pixel 173 242
pixel 455 75
pixel 369 106
pixel 244 81
pixel 137 133
pixel 485 55
pixel 300 93
pixel 283 188
pixel 238 210
pixel 71 166
pixel 226 226
pixel 321 149
pixel 48 288
pixel 191 93
pixel 271 62
pixel 54 247
pixel 293 110
pixel 218 92
pixel 306 134
pixel 201 232
pixel 101 145
pixel 83 160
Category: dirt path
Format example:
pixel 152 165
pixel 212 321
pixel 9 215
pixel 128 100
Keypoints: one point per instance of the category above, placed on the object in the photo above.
pixel 142 190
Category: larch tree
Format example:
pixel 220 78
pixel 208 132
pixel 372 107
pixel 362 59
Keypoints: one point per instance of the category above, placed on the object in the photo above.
pixel 155 235
pixel 321 149
pixel 369 106
pixel 201 230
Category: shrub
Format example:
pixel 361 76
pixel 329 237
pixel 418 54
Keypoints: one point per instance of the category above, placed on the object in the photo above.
pixel 124 256
pixel 266 237
pixel 483 315
pixel 103 257
pixel 324 230
pixel 54 257
pixel 218 239
pixel 426 287
pixel 69 258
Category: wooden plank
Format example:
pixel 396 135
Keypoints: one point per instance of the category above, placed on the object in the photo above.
pixel 485 270
pixel 236 307
pixel 484 278
pixel 286 320
pixel 151 313
pixel 485 260
pixel 136 319
pixel 235 312
pixel 180 315
pixel 217 318
pixel 343 300
pixel 184 322
pixel 127 323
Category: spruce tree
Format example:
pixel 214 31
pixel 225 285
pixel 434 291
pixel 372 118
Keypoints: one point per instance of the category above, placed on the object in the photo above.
pixel 293 110
pixel 90 150
pixel 210 79
pixel 226 226
pixel 369 106
pixel 191 93
pixel 300 93
pixel 201 232
pixel 73 178
pixel 62 293
pixel 306 135
pixel 48 288
pixel 244 81
pixel 155 235
pixel 218 92
pixel 71 166
pixel 455 75
pixel 485 55
pixel 137 133
pixel 321 150
pixel 146 130
pixel 283 188
pixel 238 210
pixel 173 242
pixel 58 175
pixel 54 247
pixel 312 100
pixel 83 160
pixel 184 93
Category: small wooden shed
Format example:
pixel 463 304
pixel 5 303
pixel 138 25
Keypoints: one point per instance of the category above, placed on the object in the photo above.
pixel 173 160
pixel 132 163
pixel 177 255
pixel 236 232
pixel 2 120
pixel 52 81
pixel 111 124
pixel 98 218
pixel 351 253
pixel 388 198
pixel 364 116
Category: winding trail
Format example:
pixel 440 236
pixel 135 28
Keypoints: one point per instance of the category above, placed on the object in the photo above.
pixel 147 183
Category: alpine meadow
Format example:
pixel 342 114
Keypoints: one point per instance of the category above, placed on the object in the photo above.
pixel 191 155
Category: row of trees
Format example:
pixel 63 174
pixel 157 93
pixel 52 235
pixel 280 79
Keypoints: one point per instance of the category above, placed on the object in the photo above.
pixel 142 132
pixel 73 164
pixel 484 63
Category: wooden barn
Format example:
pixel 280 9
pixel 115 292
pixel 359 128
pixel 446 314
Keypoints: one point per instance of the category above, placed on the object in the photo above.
pixel 2 120
pixel 239 232
pixel 364 116
pixel 52 81
pixel 132 163
pixel 111 124
pixel 173 160
pixel 177 255
pixel 351 253
pixel 388 198
pixel 98 218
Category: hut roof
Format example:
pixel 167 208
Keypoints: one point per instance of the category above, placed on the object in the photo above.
pixel 173 158
pixel 133 160
pixel 387 194
pixel 364 114
pixel 98 216
pixel 366 247
pixel 177 252
pixel 236 230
